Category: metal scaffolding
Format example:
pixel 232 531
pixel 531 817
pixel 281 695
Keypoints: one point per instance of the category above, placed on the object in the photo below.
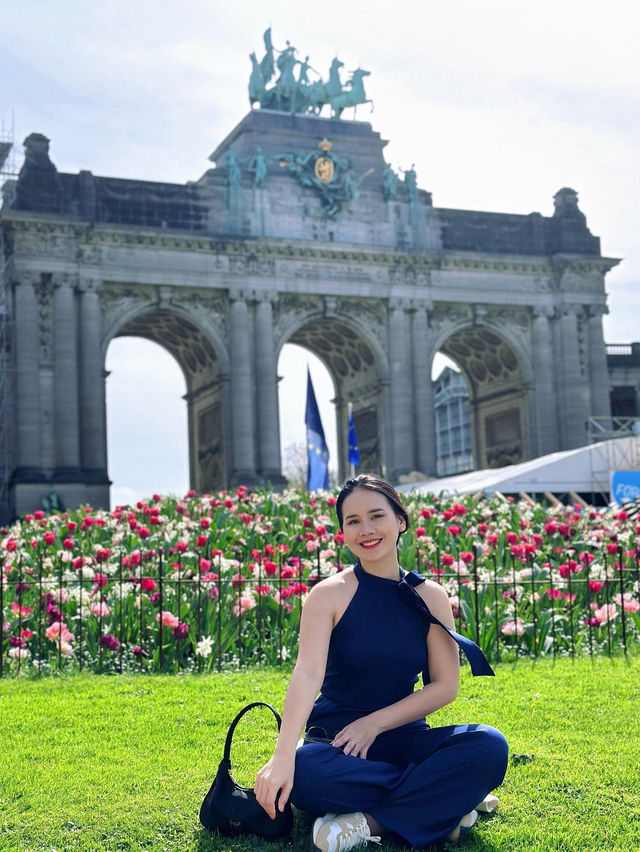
pixel 8 173
pixel 617 447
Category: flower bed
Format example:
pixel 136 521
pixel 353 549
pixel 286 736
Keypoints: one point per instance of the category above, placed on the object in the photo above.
pixel 217 581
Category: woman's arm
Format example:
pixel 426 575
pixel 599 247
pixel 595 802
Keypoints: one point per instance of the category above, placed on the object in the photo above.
pixel 444 672
pixel 316 624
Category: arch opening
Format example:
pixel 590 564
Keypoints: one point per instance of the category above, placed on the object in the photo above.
pixel 292 389
pixel 496 427
pixel 203 388
pixel 352 366
pixel 146 421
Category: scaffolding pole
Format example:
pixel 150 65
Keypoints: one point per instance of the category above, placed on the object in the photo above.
pixel 8 173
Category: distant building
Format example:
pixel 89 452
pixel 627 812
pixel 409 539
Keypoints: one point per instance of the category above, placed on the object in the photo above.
pixel 623 361
pixel 453 423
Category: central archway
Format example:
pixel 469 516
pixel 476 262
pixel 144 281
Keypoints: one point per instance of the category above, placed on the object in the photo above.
pixel 356 371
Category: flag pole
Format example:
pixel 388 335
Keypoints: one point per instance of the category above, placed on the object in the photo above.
pixel 352 467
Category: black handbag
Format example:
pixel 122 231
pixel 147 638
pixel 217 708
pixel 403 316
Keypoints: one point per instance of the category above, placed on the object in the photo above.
pixel 230 809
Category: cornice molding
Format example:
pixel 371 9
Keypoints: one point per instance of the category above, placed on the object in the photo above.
pixel 401 262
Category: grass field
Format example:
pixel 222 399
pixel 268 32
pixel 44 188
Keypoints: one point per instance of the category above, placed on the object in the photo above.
pixel 122 763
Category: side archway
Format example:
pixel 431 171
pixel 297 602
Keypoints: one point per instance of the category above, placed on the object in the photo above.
pixel 498 383
pixel 202 363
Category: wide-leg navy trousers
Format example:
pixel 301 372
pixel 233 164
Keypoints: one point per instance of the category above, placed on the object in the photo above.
pixel 416 781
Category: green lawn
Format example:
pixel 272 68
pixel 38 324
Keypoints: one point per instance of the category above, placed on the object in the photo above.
pixel 116 763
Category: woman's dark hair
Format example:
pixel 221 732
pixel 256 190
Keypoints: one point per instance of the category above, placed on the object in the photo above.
pixel 372 483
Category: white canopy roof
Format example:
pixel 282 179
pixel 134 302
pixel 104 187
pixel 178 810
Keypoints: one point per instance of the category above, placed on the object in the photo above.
pixel 583 470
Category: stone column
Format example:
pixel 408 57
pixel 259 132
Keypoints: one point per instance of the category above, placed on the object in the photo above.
pixel 598 370
pixel 27 421
pixel 92 388
pixel 545 415
pixel 423 393
pixel 267 420
pixel 571 382
pixel 242 400
pixel 65 359
pixel 401 391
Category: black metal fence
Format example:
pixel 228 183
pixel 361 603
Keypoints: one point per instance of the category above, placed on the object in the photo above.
pixel 156 619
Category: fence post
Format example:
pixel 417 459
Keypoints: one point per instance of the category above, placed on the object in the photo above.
pixel 161 602
pixel 622 615
pixel 1 616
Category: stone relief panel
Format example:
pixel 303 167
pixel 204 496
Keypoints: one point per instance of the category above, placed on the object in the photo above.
pixel 116 300
pixel 582 322
pixel 449 314
pixel 212 304
pixel 44 288
pixel 43 240
pixel 290 307
pixel 251 264
pixel 371 313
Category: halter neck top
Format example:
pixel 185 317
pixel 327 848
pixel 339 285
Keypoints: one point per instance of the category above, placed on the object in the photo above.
pixel 378 648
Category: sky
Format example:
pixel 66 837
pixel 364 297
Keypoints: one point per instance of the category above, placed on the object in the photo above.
pixel 498 104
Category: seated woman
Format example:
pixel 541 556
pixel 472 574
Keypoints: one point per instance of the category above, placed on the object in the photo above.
pixel 365 635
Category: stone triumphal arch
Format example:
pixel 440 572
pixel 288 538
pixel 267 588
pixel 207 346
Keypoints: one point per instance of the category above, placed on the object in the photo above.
pixel 302 233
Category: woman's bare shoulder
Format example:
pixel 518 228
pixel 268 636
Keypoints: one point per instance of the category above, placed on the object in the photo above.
pixel 430 590
pixel 436 599
pixel 336 583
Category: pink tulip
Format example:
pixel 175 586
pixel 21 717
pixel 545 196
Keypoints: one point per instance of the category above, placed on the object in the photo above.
pixel 168 619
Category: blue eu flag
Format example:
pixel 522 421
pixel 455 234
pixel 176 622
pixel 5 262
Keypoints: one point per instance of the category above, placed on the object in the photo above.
pixel 318 454
pixel 354 452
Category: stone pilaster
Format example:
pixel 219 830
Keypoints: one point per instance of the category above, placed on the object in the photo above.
pixel 267 420
pixel 545 415
pixel 92 389
pixel 27 420
pixel 423 392
pixel 598 370
pixel 242 406
pixel 572 388
pixel 65 365
pixel 401 390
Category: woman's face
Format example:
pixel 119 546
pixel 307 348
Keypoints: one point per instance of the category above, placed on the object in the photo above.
pixel 371 526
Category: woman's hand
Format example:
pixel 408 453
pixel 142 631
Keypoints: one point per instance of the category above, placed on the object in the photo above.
pixel 356 738
pixel 275 776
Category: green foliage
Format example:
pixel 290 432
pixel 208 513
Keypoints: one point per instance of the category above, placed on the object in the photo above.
pixel 122 763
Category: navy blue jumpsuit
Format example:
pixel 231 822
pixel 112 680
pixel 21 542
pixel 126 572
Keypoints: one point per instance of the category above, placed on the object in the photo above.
pixel 416 781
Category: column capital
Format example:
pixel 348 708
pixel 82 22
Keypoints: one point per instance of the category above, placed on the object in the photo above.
pixel 423 305
pixel 239 296
pixel 263 297
pixel 398 304
pixel 543 311
pixel 24 281
pixel 570 310
pixel 63 279
pixel 597 311
pixel 90 285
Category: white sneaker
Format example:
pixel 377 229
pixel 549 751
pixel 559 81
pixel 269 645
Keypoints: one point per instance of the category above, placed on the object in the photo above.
pixel 467 821
pixel 488 804
pixel 339 832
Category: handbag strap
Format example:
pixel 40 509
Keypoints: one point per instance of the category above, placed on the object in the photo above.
pixel 233 725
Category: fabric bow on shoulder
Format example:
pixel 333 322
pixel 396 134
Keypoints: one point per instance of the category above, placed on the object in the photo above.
pixel 477 660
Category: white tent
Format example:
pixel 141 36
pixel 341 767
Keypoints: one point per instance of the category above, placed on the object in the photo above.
pixel 585 470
